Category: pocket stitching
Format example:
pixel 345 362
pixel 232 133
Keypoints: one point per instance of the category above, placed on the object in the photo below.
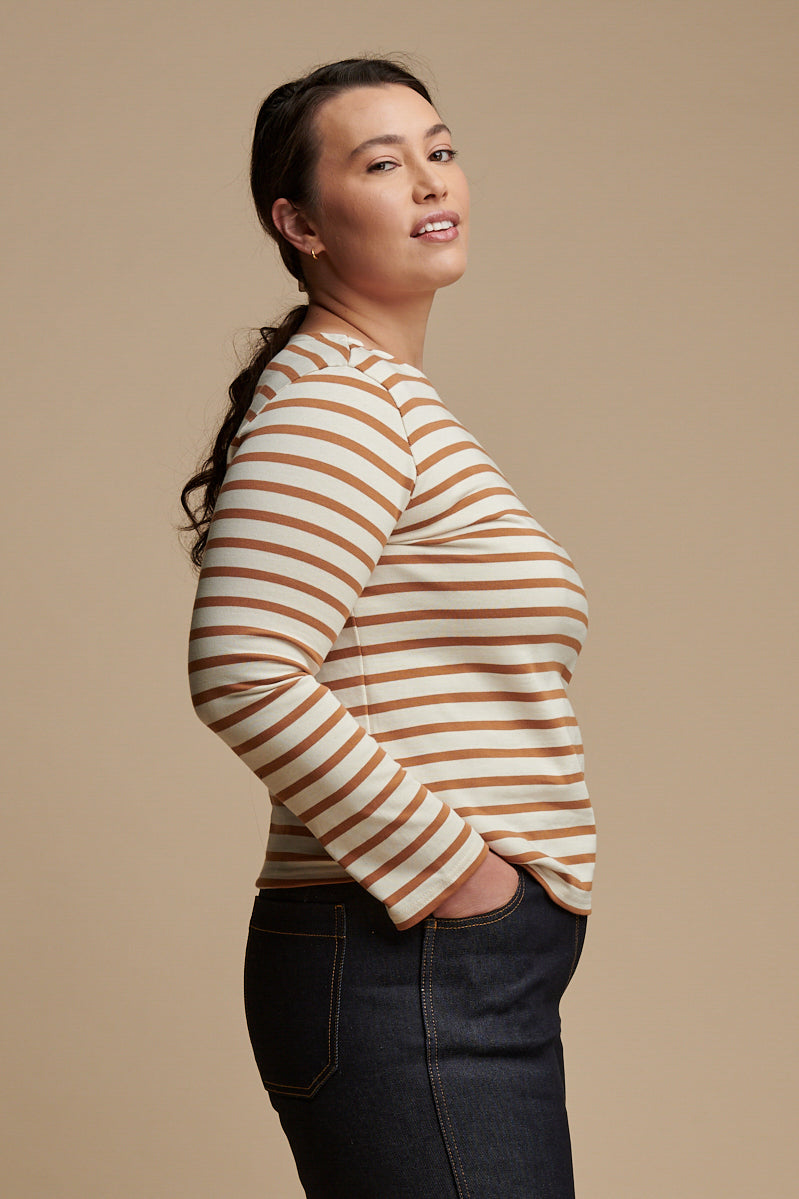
pixel 492 917
pixel 577 926
pixel 284 932
pixel 330 1066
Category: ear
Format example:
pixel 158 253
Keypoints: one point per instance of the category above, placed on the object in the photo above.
pixel 295 227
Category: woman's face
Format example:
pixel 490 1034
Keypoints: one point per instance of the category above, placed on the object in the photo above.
pixel 387 169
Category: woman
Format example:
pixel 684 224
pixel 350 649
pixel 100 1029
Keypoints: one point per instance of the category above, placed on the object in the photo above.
pixel 383 633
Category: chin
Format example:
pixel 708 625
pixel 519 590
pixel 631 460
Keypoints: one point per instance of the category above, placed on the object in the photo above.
pixel 453 274
pixel 448 269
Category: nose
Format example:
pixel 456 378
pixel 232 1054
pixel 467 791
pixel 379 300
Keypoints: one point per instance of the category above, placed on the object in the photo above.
pixel 430 182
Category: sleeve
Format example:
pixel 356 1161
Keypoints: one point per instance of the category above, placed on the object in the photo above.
pixel 317 483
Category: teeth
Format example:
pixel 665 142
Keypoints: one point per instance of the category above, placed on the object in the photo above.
pixel 434 226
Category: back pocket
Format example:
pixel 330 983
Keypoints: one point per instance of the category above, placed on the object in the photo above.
pixel 292 985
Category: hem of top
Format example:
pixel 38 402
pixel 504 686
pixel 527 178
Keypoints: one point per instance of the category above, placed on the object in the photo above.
pixel 556 898
pixel 276 884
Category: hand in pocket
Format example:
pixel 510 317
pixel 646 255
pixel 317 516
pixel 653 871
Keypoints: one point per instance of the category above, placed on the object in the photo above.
pixel 492 885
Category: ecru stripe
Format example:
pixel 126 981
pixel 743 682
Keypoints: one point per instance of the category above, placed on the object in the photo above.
pixel 383 634
pixel 320 468
pixel 470 642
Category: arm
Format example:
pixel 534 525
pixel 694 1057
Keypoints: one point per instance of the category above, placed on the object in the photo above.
pixel 311 496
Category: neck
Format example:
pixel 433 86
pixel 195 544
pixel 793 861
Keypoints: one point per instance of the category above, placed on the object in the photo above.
pixel 398 329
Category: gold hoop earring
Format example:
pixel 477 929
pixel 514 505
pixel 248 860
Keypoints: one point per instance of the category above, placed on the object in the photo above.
pixel 313 255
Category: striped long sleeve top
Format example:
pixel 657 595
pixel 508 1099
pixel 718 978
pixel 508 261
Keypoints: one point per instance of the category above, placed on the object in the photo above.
pixel 384 634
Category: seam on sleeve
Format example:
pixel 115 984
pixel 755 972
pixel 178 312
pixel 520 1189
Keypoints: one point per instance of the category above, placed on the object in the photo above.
pixel 395 402
pixel 362 672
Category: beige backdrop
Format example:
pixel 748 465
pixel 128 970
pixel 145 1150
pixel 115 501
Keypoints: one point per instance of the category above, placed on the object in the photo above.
pixel 634 250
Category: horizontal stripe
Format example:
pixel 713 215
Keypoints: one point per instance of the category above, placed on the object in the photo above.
pixel 296 524
pixel 539 834
pixel 461 697
pixel 266 576
pixel 506 780
pixel 467 643
pixel 368 638
pixel 270 606
pixel 492 811
pixel 282 551
pixel 464 585
pixel 466 557
pixel 320 468
pixel 372 456
pixel 408 732
pixel 484 669
pixel 425 615
pixel 312 497
pixel 345 410
pixel 493 752
pixel 486 533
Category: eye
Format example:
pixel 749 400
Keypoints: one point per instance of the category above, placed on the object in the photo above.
pixel 383 165
pixel 445 150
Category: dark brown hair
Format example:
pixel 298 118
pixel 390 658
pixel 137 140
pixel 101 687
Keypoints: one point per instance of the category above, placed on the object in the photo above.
pixel 284 155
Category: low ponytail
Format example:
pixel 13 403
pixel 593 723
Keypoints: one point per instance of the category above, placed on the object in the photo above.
pixel 285 150
pixel 211 472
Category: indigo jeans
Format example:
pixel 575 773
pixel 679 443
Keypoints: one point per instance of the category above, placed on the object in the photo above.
pixel 424 1064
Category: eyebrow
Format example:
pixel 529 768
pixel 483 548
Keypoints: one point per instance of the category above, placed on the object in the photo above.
pixel 394 139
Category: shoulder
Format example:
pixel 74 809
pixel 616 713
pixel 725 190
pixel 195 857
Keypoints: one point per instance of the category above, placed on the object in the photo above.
pixel 318 387
pixel 317 366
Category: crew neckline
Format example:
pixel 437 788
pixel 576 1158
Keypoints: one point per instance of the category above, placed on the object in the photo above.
pixel 347 339
pixel 334 337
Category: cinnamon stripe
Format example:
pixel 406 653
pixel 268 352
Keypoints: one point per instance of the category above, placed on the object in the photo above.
pixel 368 626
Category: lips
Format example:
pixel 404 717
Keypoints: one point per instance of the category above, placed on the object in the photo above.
pixel 435 221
